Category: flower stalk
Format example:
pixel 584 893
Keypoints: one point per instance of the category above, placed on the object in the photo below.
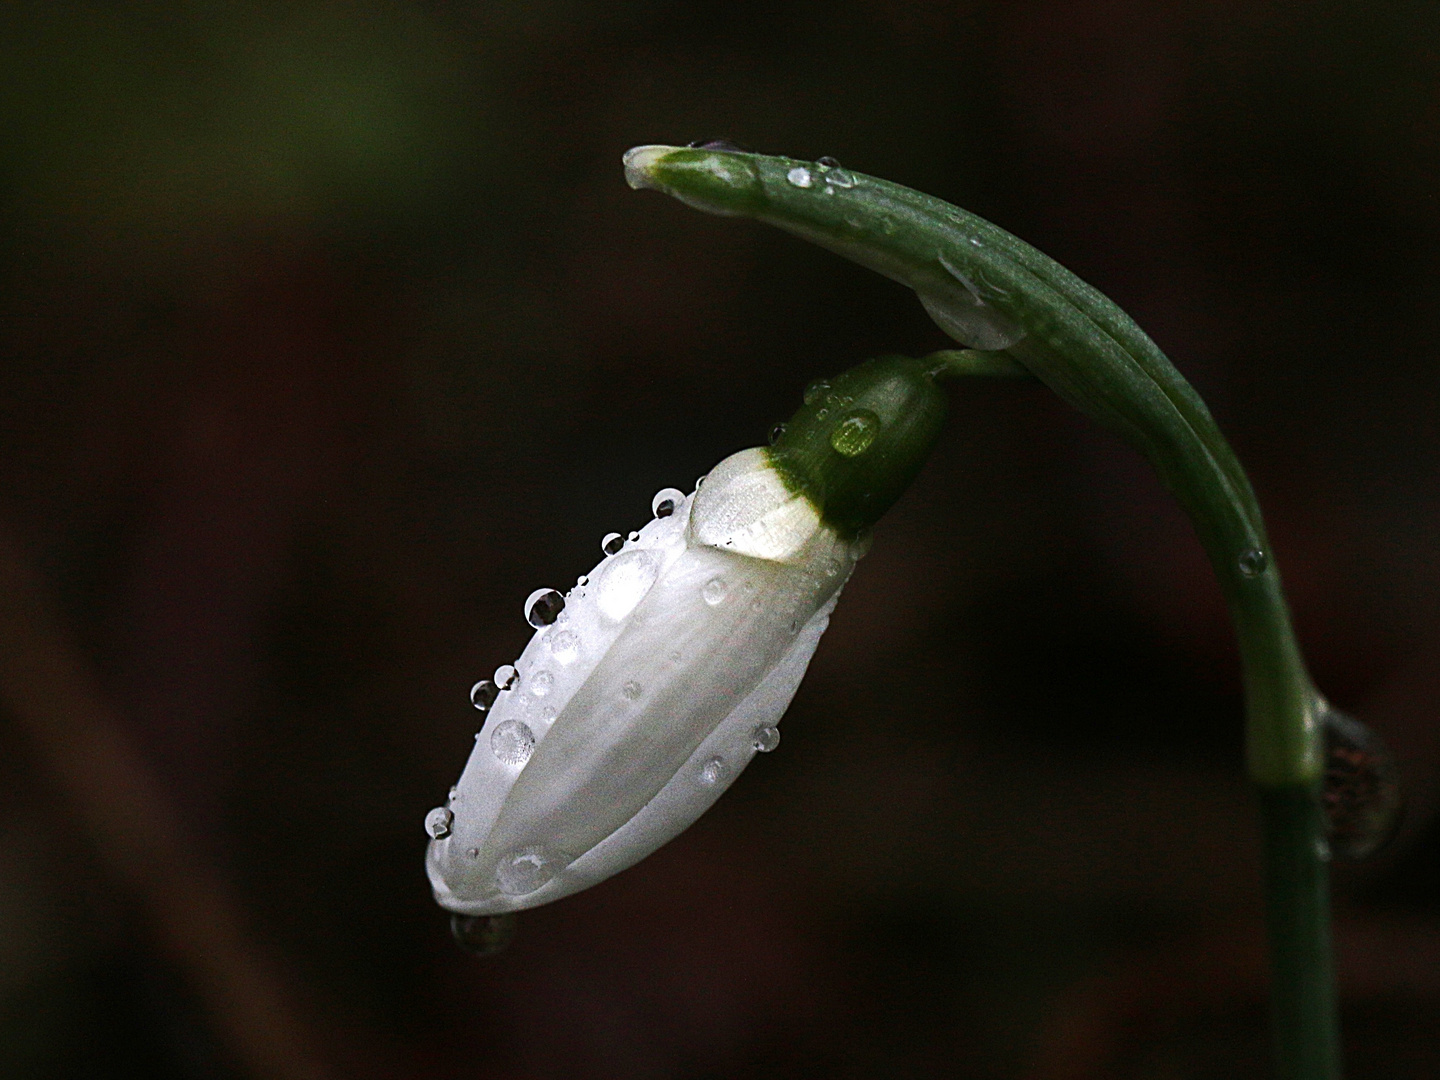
pixel 1018 311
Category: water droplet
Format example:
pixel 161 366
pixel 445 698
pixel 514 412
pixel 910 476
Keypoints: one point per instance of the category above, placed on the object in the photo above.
pixel 483 694
pixel 853 435
pixel 833 567
pixel 712 771
pixel 612 543
pixel 506 676
pixel 473 853
pixel 483 935
pixel 633 536
pixel 728 145
pixel 816 390
pixel 666 501
pixel 835 173
pixel 1361 792
pixel 564 646
pixel 512 742
pixel 1253 562
pixel 765 738
pixel 623 582
pixel 523 871
pixel 966 314
pixel 631 690
pixel 541 683
pixel 454 793
pixel 543 607
pixel 715 591
pixel 583 580
pixel 977 329
pixel 799 176
pixel 438 822
pixel 776 432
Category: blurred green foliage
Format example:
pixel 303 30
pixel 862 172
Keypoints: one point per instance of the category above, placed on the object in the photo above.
pixel 164 124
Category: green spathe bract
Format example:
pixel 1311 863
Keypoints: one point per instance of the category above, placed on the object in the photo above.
pixel 716 181
pixel 860 439
pixel 993 292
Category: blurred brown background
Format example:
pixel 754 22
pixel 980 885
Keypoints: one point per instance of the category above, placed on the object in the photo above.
pixel 331 330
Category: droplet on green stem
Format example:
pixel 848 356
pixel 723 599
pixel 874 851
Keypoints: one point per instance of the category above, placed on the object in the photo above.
pixel 1361 792
pixel 860 438
pixel 854 434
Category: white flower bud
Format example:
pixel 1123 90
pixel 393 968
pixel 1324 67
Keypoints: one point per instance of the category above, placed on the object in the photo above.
pixel 640 703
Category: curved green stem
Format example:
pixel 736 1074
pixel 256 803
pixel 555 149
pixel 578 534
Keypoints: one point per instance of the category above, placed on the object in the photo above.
pixel 1297 911
pixel 997 294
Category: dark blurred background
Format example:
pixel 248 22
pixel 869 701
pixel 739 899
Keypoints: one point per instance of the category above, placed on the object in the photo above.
pixel 331 330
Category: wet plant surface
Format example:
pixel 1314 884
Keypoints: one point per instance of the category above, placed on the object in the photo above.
pixel 328 340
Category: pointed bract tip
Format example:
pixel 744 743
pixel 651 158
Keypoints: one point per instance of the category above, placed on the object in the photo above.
pixel 639 161
pixel 718 181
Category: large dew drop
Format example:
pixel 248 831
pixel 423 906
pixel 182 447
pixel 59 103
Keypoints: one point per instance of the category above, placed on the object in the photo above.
pixel 564 646
pixel 541 683
pixel 521 872
pixel 666 501
pixel 623 582
pixel 543 607
pixel 483 935
pixel 483 694
pixel 854 434
pixel 1253 562
pixel 512 742
pixel 835 174
pixel 967 316
pixel 438 822
pixel 1361 793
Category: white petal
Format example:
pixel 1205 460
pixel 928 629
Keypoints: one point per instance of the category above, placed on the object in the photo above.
pixel 678 649
pixel 692 791
pixel 745 507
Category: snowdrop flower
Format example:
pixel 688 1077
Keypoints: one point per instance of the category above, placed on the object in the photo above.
pixel 649 686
